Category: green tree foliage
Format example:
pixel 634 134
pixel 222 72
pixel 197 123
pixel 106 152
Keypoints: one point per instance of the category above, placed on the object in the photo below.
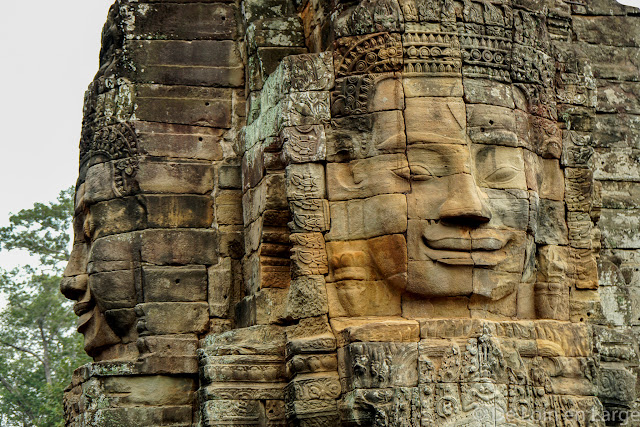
pixel 38 345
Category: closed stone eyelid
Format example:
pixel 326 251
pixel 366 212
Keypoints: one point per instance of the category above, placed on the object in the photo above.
pixel 510 170
pixel 402 172
pixel 420 173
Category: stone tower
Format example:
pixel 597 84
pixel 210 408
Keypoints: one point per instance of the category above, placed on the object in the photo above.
pixel 359 213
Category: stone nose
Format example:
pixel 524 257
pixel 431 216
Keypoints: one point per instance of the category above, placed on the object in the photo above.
pixel 75 287
pixel 464 204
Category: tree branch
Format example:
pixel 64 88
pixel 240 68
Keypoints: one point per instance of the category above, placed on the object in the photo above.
pixel 22 349
pixel 45 352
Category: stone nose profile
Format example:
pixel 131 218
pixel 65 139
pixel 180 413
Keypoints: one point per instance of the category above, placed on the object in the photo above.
pixel 74 288
pixel 464 204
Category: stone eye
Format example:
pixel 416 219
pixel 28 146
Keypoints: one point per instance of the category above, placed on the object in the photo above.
pixel 420 173
pixel 502 174
pixel 402 172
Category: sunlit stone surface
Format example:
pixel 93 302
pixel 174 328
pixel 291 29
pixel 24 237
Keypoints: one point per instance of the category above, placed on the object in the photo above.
pixel 378 213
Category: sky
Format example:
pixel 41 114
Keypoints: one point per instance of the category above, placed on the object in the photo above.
pixel 50 54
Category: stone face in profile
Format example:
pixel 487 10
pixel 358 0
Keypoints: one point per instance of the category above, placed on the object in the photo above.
pixel 392 221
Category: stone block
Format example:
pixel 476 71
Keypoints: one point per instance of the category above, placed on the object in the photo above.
pixel 607 30
pixel 509 208
pixel 114 289
pixel 355 406
pixel 617 386
pixel 228 205
pixel 189 63
pixel 616 131
pixel 162 318
pixel 436 120
pixel 307 297
pixel 378 329
pixel 584 305
pixel 607 7
pixel 265 307
pixel 419 86
pixel 488 124
pixel 366 135
pixel 178 211
pixel 502 167
pixel 184 284
pixel 281 31
pixel 367 177
pixel 304 108
pixel 220 282
pixel 365 218
pixel 620 228
pixel 494 285
pixel 269 267
pixel 144 416
pixel 358 365
pixel 416 307
pixel 366 94
pixel 117 252
pixel 179 141
pixel 620 195
pixel 233 411
pixel 175 177
pixel 552 184
pixel 577 150
pixel 299 73
pixel 614 96
pixel 303 144
pixel 229 177
pixel 116 216
pixel 156 390
pixel 313 386
pixel 270 194
pixel 485 308
pixel 265 61
pixel 179 247
pixel 260 9
pixel 231 241
pixel 99 183
pixel 371 53
pixel 184 105
pixel 305 181
pixel 480 91
pixel 355 298
pixel 617 165
pixel 186 21
pixel 177 345
pixel 578 189
pixel 364 19
pixel 552 227
pixel 580 230
pixel 308 255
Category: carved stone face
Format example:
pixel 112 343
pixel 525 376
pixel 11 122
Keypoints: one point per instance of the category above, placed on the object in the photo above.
pixel 437 199
pixel 467 208
pixel 78 286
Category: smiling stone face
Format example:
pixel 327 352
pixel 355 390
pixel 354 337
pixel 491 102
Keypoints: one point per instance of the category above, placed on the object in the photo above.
pixel 442 212
pixel 468 208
